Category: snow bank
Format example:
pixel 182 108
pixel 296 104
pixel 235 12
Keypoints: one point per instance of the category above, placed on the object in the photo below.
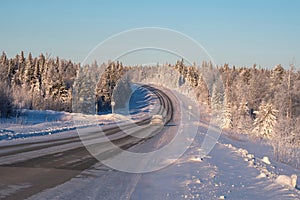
pixel 290 181
pixel 38 123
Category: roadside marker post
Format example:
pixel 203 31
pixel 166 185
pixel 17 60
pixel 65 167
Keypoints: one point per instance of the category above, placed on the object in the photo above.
pixel 113 107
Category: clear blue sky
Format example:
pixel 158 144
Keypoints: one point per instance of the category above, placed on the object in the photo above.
pixel 239 32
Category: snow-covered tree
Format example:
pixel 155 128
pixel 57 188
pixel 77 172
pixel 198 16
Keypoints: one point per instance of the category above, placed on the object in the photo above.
pixel 6 107
pixel 227 116
pixel 122 92
pixel 28 71
pixel 217 104
pixel 265 120
pixel 84 91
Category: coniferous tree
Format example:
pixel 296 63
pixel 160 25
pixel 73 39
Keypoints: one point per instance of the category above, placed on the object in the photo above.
pixel 217 104
pixel 227 116
pixel 6 107
pixel 265 121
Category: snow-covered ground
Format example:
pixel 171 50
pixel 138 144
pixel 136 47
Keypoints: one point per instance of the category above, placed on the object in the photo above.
pixel 230 171
pixel 32 123
pixel 234 169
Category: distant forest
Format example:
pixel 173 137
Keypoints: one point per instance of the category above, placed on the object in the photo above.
pixel 42 83
pixel 263 102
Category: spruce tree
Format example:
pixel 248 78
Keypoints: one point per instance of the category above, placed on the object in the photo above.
pixel 265 120
pixel 227 116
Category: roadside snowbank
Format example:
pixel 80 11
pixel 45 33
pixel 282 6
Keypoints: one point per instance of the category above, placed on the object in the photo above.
pixel 32 123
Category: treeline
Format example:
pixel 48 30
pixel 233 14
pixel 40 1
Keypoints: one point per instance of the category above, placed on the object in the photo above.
pixel 96 86
pixel 261 102
pixel 43 83
pixel 264 103
pixel 37 83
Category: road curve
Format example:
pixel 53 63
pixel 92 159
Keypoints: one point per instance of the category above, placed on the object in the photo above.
pixel 31 167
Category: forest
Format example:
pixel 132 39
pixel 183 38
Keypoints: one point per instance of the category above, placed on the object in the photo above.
pixel 261 102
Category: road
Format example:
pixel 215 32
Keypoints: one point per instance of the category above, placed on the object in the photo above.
pixel 31 167
pixel 61 168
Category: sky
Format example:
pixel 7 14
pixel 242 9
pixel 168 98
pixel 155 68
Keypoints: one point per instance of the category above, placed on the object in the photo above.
pixel 238 32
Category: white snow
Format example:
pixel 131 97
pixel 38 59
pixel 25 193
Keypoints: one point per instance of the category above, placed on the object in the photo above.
pixel 290 181
pixel 266 160
pixel 236 168
pixel 37 123
pixel 232 170
pixel 32 123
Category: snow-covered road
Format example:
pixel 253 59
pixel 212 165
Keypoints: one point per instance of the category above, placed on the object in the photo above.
pixel 234 169
pixel 30 165
pixel 227 172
